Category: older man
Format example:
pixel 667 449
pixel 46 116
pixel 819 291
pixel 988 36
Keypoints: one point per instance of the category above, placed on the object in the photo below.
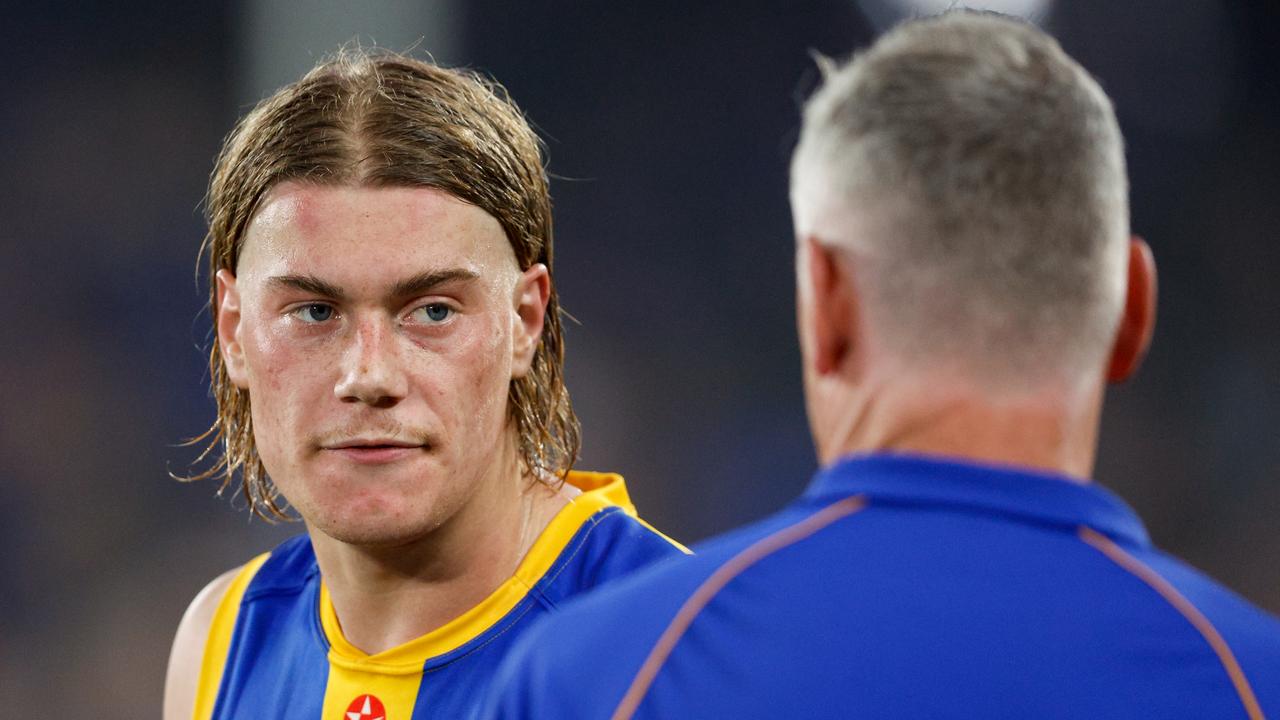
pixel 967 286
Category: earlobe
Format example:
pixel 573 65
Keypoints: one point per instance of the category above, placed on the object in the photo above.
pixel 227 321
pixel 532 292
pixel 1138 321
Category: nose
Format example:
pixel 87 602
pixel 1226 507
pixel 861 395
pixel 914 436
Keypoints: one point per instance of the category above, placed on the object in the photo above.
pixel 370 367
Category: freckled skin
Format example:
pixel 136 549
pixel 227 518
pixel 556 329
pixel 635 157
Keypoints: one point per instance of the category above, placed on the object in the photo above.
pixel 377 366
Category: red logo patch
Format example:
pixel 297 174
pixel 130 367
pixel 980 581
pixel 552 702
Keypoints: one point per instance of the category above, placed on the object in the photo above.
pixel 366 707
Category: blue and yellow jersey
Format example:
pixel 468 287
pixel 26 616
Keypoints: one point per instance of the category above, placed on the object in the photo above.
pixel 910 587
pixel 275 649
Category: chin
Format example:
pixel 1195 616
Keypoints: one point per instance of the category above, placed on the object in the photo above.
pixel 370 532
pixel 370 518
pixel 383 506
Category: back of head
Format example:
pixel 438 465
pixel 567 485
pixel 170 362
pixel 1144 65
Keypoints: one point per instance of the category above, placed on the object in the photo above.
pixel 379 119
pixel 976 174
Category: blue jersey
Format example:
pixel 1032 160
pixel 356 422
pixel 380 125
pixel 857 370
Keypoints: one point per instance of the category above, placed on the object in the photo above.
pixel 275 649
pixel 907 587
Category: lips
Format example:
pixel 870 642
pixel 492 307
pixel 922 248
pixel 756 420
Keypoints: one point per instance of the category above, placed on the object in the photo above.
pixel 375 451
pixel 372 443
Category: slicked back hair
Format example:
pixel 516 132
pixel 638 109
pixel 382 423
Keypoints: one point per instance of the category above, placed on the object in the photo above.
pixel 379 119
pixel 977 174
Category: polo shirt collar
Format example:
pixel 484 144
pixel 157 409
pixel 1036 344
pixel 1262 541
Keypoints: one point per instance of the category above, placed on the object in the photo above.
pixel 1031 495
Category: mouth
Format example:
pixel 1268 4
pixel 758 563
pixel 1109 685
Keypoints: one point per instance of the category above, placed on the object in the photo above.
pixel 375 451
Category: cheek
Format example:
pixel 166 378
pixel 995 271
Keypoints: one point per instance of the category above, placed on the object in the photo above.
pixel 267 358
pixel 282 376
pixel 485 373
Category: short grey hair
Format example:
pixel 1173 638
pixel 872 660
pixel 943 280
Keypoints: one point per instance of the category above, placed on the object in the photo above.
pixel 976 173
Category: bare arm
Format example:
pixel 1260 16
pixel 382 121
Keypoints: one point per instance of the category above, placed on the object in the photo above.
pixel 188 649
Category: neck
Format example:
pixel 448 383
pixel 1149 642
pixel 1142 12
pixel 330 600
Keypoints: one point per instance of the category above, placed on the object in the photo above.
pixel 1051 429
pixel 386 596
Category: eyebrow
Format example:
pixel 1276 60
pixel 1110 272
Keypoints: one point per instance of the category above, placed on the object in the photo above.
pixel 425 281
pixel 308 283
pixel 416 285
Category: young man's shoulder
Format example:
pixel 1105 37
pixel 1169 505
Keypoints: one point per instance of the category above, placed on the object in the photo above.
pixel 215 605
pixel 187 654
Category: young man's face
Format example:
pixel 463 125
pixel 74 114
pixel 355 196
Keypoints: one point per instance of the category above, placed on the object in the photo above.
pixel 377 331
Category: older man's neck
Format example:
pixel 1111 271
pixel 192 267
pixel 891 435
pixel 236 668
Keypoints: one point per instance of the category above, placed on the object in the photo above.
pixel 1051 430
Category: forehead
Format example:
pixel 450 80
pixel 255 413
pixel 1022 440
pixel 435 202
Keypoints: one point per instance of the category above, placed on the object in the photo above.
pixel 370 232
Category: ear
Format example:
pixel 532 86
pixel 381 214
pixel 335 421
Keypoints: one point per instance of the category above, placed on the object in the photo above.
pixel 227 316
pixel 1138 322
pixel 829 312
pixel 533 289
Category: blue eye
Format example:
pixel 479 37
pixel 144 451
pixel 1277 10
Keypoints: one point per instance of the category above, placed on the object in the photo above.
pixel 433 313
pixel 315 312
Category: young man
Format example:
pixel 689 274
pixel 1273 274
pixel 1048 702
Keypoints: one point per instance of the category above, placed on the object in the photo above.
pixel 389 360
pixel 967 285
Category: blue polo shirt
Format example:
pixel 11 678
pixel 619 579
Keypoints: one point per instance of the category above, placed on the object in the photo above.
pixel 909 587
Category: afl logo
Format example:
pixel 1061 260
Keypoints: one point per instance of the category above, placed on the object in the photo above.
pixel 366 707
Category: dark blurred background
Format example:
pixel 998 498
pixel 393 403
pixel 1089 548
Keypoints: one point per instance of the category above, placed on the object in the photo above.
pixel 668 126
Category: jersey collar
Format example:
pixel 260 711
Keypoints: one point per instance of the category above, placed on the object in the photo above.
pixel 1030 495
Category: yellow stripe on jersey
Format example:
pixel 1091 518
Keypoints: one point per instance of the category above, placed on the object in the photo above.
pixel 599 491
pixel 219 641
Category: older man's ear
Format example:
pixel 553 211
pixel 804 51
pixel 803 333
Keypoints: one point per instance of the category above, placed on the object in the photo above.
pixel 1138 321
